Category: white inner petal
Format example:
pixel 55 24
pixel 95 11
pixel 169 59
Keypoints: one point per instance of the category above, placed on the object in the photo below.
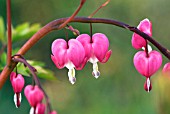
pixel 32 110
pixel 70 65
pixel 15 99
pixel 71 72
pixel 95 72
pixel 149 48
pixel 148 84
pixel 71 76
pixel 93 60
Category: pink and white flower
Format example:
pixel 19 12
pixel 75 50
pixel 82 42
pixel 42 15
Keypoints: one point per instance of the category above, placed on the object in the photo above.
pixel 96 49
pixel 34 96
pixel 17 82
pixel 70 55
pixel 147 65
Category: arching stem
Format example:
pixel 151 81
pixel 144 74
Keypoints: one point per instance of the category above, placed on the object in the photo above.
pixel 37 81
pixel 54 25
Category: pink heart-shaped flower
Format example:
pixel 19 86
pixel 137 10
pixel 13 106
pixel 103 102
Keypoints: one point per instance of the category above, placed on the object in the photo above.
pixel 17 82
pixel 147 66
pixel 33 94
pixel 95 47
pixel 64 52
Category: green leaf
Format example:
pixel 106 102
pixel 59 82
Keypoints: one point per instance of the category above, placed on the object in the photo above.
pixel 45 73
pixel 25 31
pixel 23 70
pixel 36 63
pixel 2 30
pixel 3 59
pixel 41 72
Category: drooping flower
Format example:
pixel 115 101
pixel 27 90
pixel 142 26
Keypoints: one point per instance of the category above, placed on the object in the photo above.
pixel 34 96
pixel 96 49
pixel 70 55
pixel 17 82
pixel 147 65
pixel 137 41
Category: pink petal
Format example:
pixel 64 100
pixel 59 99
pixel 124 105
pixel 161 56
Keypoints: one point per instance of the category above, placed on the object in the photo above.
pixel 40 108
pixel 100 45
pixel 137 41
pixel 166 69
pixel 53 112
pixel 85 40
pixel 12 76
pixel 75 52
pixel 107 56
pixel 145 26
pixel 17 82
pixel 27 89
pixel 147 66
pixel 56 62
pixel 59 50
pixel 82 65
pixel 33 94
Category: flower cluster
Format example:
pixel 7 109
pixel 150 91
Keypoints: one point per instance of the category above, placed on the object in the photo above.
pixel 77 52
pixel 148 61
pixel 33 94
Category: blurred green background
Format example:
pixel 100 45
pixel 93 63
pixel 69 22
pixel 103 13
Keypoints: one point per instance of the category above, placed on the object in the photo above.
pixel 119 89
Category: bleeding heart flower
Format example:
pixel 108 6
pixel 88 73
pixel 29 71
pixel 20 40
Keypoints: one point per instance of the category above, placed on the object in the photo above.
pixel 166 69
pixel 34 95
pixel 70 55
pixel 17 82
pixel 137 41
pixel 147 66
pixel 96 49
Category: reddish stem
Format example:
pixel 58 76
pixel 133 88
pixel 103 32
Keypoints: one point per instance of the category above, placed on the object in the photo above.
pixel 73 15
pixel 146 48
pixel 9 45
pixel 54 25
pixel 103 5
